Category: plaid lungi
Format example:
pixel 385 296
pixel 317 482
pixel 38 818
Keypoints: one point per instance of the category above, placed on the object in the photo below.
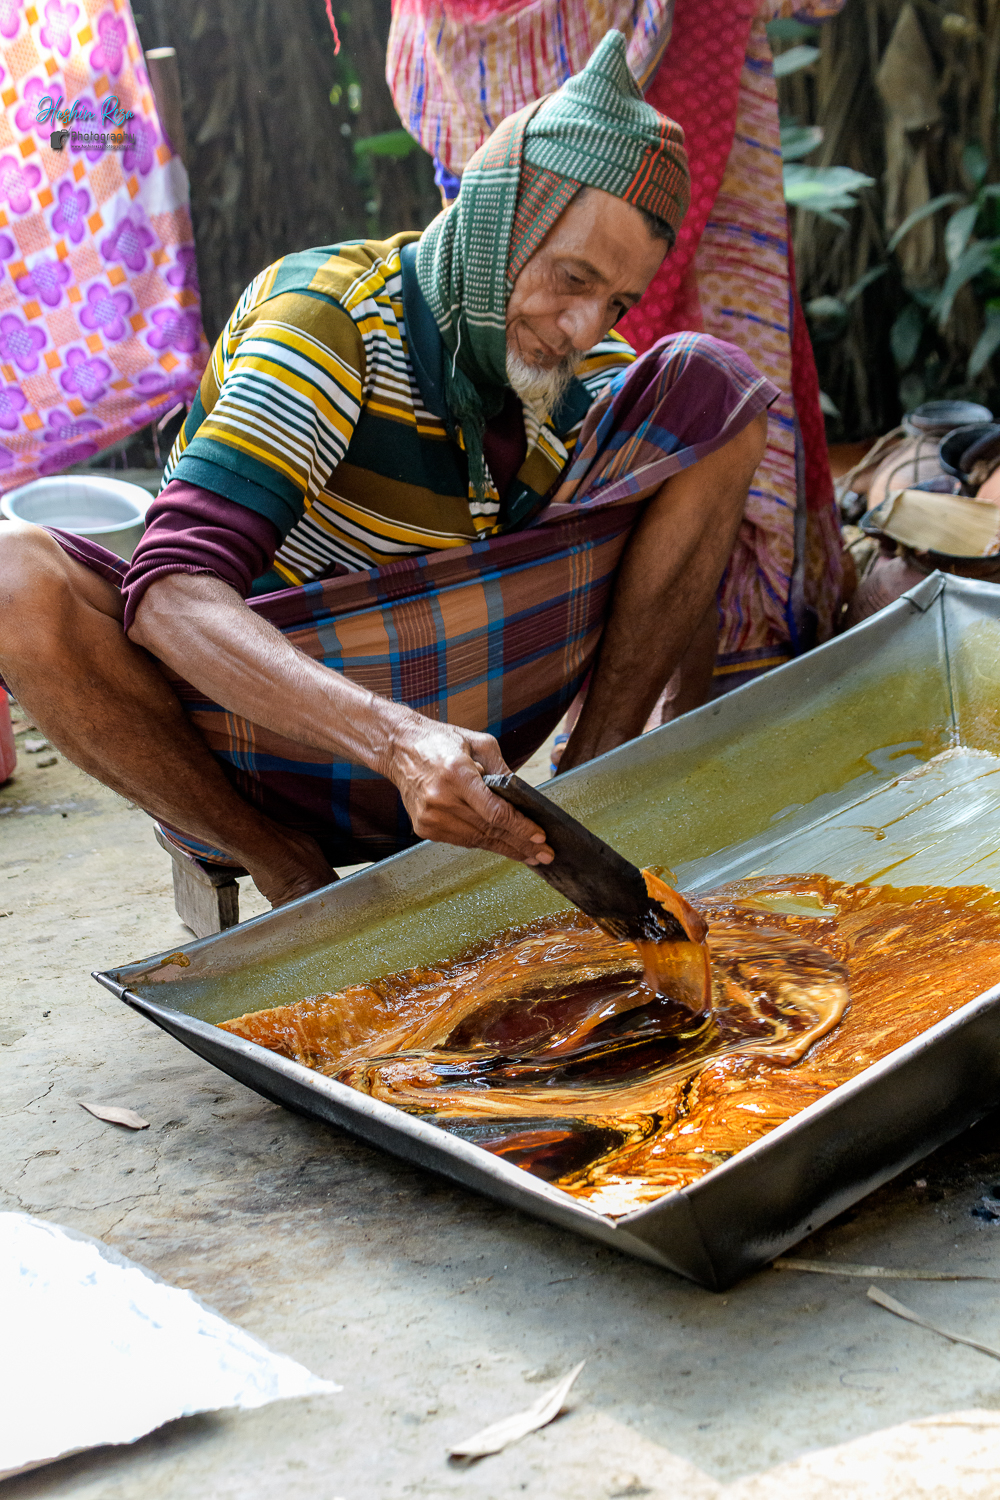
pixel 497 636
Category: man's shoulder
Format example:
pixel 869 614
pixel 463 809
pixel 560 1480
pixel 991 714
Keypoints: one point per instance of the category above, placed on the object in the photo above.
pixel 349 274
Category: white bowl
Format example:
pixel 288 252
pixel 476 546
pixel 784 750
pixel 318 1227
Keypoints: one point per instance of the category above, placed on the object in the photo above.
pixel 109 510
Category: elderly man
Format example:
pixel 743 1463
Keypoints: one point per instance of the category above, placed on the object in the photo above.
pixel 423 492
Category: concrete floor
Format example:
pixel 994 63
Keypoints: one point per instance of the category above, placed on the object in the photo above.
pixel 436 1310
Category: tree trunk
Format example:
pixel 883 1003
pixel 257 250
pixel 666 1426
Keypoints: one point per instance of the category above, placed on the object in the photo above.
pixel 271 160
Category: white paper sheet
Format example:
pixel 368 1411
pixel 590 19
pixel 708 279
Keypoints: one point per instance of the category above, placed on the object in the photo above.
pixel 94 1349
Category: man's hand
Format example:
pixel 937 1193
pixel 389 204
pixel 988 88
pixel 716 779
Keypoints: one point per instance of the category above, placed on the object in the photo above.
pixel 438 770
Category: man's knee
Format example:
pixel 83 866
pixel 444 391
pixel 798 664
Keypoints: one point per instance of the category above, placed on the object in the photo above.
pixel 34 584
pixel 742 457
pixel 748 446
pixel 29 562
pixel 756 436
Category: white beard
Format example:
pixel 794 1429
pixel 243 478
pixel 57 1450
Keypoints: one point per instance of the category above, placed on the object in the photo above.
pixel 541 390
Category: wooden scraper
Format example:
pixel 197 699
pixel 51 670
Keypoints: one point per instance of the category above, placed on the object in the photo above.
pixel 627 902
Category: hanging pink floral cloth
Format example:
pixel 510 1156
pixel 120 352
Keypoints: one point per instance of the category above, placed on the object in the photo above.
pixel 100 324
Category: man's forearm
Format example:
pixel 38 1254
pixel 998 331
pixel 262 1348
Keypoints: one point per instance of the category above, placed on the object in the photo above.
pixel 200 627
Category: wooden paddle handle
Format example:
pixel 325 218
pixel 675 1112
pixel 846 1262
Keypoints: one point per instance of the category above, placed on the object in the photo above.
pixel 586 870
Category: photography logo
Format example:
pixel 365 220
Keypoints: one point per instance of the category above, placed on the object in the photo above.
pixel 113 115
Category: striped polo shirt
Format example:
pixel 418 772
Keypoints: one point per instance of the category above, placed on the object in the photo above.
pixel 322 408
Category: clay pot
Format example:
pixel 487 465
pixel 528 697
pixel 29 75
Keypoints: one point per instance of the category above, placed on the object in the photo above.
pixel 910 456
pixel 990 488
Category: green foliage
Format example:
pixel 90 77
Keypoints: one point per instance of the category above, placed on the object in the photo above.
pixel 824 190
pixel 907 91
pixel 786 29
pixel 919 214
pixel 793 60
pixel 971 246
pixel 389 143
pixel 828 315
pixel 821 190
pixel 799 140
pixel 989 340
pixel 972 251
pixel 905 336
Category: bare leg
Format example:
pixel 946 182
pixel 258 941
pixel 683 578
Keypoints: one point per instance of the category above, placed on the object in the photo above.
pixel 107 706
pixel 688 687
pixel 666 584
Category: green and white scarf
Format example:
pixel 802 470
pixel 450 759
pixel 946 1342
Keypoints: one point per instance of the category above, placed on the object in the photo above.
pixel 596 130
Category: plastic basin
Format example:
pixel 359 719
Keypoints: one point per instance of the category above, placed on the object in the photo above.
pixel 109 510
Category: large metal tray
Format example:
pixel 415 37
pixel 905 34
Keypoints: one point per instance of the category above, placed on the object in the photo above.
pixel 805 770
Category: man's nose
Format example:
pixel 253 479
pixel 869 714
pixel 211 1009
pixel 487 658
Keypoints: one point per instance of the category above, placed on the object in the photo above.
pixel 584 322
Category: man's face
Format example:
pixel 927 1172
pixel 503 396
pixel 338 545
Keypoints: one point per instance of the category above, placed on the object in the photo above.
pixel 593 265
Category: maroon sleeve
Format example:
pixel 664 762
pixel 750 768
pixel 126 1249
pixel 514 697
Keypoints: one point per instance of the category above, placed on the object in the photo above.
pixel 190 530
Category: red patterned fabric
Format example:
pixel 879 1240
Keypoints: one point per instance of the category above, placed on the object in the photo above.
pixel 698 85
pixel 729 276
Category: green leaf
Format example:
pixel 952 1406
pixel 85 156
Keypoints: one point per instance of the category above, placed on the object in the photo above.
pixel 863 282
pixel 794 59
pixel 785 29
pixel 975 260
pixel 958 231
pixel 988 344
pixel 905 335
pixel 389 143
pixel 823 188
pixel 975 163
pixel 923 212
pixel 912 391
pixel 826 307
pixel 799 140
pixel 827 318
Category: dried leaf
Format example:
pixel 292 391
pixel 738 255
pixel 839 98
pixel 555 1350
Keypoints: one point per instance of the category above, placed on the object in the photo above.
pixel 848 1268
pixel 510 1429
pixel 115 1115
pixel 891 1305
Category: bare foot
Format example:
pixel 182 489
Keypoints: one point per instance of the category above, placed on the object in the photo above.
pixel 301 869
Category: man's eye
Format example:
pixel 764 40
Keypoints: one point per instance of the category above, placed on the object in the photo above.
pixel 573 281
pixel 621 310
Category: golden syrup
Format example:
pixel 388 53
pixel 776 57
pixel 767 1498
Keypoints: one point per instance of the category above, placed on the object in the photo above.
pixel 546 1046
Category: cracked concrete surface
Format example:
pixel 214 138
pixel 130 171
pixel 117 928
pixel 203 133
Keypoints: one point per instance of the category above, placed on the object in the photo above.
pixel 439 1311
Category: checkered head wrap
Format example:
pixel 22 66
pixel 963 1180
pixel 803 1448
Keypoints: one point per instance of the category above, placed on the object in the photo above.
pixel 598 131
